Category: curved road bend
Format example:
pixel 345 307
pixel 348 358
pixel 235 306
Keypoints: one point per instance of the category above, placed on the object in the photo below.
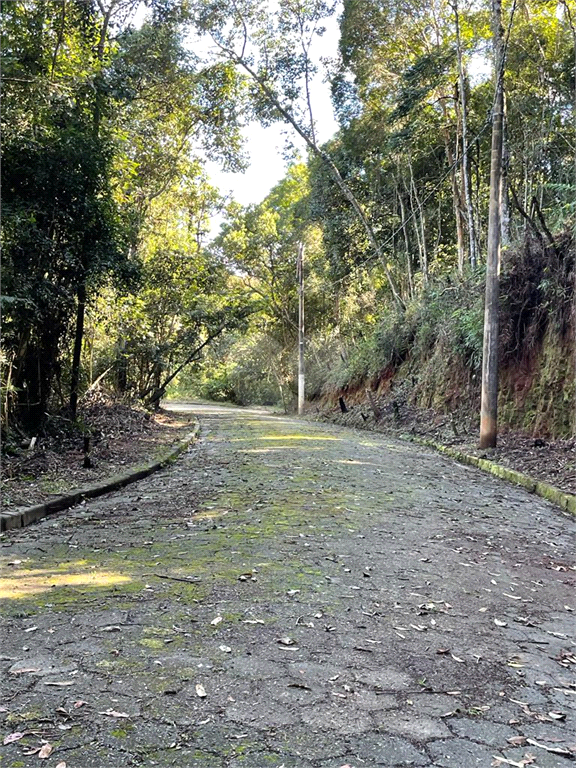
pixel 293 594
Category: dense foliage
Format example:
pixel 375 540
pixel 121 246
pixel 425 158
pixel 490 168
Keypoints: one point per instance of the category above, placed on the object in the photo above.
pixel 106 205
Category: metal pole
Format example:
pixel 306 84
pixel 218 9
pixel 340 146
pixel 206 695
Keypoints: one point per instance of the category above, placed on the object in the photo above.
pixel 301 375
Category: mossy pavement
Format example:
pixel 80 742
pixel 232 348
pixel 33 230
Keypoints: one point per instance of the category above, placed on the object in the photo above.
pixel 298 595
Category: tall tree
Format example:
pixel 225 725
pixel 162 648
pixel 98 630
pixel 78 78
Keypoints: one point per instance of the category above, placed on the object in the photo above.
pixel 262 43
pixel 489 402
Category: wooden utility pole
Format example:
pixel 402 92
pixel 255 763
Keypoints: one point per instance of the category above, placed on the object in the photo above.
pixel 301 372
pixel 489 403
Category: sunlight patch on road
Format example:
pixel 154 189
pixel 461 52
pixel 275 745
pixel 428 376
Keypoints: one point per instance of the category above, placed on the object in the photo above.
pixel 298 437
pixel 26 583
pixel 210 514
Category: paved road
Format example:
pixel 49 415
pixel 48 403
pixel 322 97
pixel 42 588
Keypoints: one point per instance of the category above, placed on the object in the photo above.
pixel 298 595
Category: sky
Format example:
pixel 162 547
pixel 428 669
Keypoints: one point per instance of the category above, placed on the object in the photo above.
pixel 265 146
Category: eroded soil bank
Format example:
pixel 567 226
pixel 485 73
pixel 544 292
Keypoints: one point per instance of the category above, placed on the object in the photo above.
pixel 298 595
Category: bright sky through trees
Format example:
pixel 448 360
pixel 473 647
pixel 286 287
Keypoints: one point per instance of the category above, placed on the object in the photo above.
pixel 266 147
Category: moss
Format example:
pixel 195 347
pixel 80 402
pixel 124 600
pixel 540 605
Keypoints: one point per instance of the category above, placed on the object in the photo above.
pixel 152 642
pixel 31 716
pixel 537 395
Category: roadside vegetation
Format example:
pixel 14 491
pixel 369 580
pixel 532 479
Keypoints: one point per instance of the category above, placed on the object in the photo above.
pixel 110 280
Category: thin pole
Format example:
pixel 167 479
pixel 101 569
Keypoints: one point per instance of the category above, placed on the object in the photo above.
pixel 301 373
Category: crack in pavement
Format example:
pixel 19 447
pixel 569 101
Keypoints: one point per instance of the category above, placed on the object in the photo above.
pixel 298 595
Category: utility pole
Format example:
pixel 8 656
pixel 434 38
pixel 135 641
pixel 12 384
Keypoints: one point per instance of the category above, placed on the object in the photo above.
pixel 489 404
pixel 301 375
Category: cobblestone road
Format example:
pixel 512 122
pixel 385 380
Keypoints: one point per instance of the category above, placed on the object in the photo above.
pixel 292 594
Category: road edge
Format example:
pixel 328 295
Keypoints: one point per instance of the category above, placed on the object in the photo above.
pixel 24 517
pixel 566 501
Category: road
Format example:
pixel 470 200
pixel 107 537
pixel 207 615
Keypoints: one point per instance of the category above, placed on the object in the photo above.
pixel 293 594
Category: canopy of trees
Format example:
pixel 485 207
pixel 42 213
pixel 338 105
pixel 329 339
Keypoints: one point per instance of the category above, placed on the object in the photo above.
pixel 106 205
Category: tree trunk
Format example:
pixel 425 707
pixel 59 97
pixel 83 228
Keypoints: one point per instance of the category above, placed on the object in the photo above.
pixel 407 244
pixel 472 244
pixel 489 404
pixel 78 338
pixel 419 226
pixel 373 405
pixel 504 197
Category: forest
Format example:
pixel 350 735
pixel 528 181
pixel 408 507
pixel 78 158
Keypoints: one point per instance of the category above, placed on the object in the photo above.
pixel 453 170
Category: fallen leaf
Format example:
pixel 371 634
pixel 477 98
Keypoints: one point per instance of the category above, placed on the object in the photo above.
pixel 200 691
pixel 216 621
pixel 58 683
pixel 460 661
pixel 31 751
pixel 46 751
pixel 253 621
pixel 557 715
pixel 113 713
pixel 13 737
pixel 292 592
pixel 500 623
pixel 517 741
pixel 61 764
pixel 225 648
pixel 555 750
pixel 286 641
pixel 78 704
pixel 442 651
pixel 23 670
pixel 31 629
pixel 515 763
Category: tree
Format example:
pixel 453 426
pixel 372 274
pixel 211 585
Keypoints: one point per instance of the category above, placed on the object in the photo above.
pixel 263 45
pixel 489 401
pixel 102 118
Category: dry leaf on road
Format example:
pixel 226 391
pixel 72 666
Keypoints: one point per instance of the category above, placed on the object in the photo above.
pixel 46 751
pixel 14 737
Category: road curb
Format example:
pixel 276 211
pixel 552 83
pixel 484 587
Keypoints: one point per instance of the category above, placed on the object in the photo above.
pixel 23 517
pixel 566 501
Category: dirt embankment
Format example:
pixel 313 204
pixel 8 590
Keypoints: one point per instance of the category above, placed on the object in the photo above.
pixel 121 436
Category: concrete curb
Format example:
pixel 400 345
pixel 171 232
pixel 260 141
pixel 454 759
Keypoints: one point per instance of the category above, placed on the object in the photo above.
pixel 565 501
pixel 23 517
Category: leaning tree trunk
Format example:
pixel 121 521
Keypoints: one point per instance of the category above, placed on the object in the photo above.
pixel 472 244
